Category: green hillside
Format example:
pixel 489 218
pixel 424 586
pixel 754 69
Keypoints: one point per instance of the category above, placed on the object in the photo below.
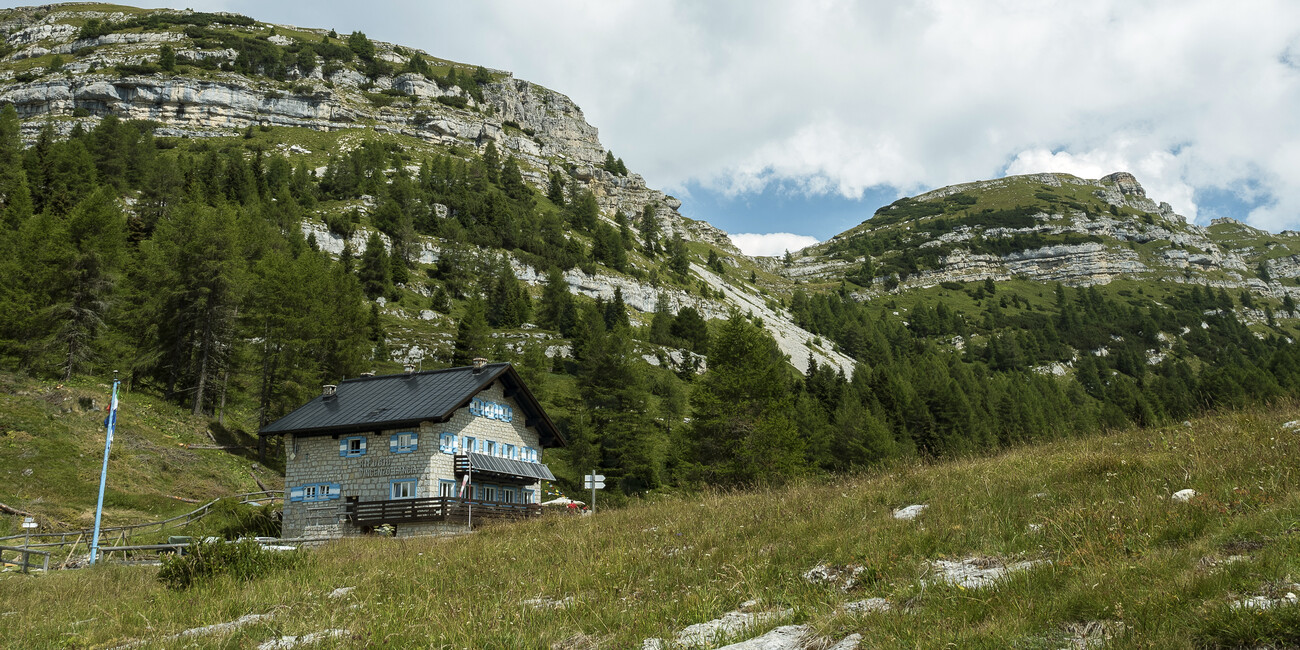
pixel 1112 555
pixel 52 436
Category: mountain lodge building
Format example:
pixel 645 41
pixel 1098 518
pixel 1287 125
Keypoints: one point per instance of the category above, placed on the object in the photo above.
pixel 423 452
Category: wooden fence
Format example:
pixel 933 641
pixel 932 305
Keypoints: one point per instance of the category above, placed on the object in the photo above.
pixel 122 534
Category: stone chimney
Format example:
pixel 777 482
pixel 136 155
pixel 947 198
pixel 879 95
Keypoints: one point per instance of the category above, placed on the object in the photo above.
pixel 328 390
pixel 410 368
pixel 479 364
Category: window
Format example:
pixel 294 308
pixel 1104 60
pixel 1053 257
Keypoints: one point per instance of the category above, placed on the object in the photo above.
pixel 447 443
pixel 446 488
pixel 489 493
pixel 354 446
pixel 490 447
pixel 507 495
pixel 403 488
pixel 510 452
pixel 405 442
pixel 469 443
pixel 315 492
pixel 528 496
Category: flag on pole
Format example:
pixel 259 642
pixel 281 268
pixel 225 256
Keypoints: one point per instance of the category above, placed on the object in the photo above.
pixel 464 485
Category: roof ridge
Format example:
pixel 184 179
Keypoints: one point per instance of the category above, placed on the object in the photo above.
pixel 420 373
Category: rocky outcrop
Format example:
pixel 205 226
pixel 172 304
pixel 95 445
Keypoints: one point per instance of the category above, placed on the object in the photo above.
pixel 1156 244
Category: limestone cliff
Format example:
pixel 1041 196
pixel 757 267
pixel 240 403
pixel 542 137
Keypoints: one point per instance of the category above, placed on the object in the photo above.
pixel 1049 228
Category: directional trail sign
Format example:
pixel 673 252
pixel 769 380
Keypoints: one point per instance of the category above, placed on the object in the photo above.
pixel 593 481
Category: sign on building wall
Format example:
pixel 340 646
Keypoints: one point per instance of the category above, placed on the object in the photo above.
pixel 491 410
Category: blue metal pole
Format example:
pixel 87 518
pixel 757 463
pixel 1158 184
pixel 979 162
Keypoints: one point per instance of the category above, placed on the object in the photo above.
pixel 103 473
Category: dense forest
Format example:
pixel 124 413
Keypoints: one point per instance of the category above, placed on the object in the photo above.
pixel 183 265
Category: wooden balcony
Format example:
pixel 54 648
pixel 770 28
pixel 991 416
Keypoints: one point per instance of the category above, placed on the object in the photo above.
pixel 450 510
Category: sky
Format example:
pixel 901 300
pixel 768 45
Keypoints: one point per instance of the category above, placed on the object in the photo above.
pixel 793 121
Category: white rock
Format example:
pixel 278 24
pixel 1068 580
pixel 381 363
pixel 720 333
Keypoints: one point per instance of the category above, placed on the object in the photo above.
pixel 910 512
pixel 341 592
pixel 729 624
pixel 1183 496
pixel 976 573
pixel 867 606
pixel 1293 424
pixel 786 637
pixel 289 642
pixel 546 602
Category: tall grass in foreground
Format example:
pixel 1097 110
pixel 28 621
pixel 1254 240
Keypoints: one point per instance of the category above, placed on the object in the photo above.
pixel 1119 550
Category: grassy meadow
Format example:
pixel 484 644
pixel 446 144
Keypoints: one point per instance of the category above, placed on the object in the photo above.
pixel 1113 548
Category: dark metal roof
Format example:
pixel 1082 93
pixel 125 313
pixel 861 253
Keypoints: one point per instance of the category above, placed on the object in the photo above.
pixel 509 466
pixel 389 401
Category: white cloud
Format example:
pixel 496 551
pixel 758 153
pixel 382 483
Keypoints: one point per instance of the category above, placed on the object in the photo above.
pixel 836 96
pixel 770 244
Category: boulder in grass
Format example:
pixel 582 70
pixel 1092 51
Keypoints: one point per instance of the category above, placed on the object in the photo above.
pixel 1183 496
pixel 910 512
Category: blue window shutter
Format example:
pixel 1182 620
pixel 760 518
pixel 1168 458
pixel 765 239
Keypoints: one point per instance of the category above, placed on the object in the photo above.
pixel 295 494
pixel 392 444
pixel 335 490
pixel 415 440
pixel 363 445
pixel 343 446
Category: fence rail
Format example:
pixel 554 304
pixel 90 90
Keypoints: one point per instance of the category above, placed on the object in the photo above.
pixel 126 532
pixel 26 554
pixel 448 509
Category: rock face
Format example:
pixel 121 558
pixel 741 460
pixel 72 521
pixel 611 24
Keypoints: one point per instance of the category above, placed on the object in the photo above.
pixel 1094 232
pixel 542 128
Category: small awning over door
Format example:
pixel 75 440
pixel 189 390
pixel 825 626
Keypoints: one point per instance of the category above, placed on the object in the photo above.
pixel 510 467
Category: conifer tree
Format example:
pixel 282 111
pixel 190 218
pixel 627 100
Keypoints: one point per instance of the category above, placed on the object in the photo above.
pixel 473 338
pixel 743 429
pixel 650 231
pixel 96 242
pixel 555 188
pixel 375 271
pixel 558 310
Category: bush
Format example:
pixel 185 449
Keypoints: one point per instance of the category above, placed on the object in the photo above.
pixel 455 101
pixel 207 561
pixel 381 100
pixel 231 520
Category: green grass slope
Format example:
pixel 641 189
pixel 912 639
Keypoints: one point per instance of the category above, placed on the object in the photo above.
pixel 1113 552
pixel 52 449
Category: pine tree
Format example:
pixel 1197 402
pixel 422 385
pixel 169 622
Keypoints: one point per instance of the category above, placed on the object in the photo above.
pixel 492 162
pixel 96 236
pixel 375 271
pixel 662 322
pixel 678 262
pixel 558 310
pixel 743 430
pixel 472 334
pixel 555 188
pixel 650 230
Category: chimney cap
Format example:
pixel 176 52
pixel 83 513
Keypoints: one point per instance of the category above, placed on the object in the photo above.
pixel 409 368
pixel 368 374
pixel 479 363
pixel 328 390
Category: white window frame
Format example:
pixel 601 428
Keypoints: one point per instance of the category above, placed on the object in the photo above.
pixel 412 442
pixel 404 483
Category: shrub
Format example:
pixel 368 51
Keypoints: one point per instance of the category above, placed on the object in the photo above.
pixel 381 100
pixel 455 101
pixel 207 561
pixel 231 520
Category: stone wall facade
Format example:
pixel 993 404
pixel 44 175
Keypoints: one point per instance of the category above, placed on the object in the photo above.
pixel 316 460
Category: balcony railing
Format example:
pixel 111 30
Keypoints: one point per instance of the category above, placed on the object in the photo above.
pixel 435 509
